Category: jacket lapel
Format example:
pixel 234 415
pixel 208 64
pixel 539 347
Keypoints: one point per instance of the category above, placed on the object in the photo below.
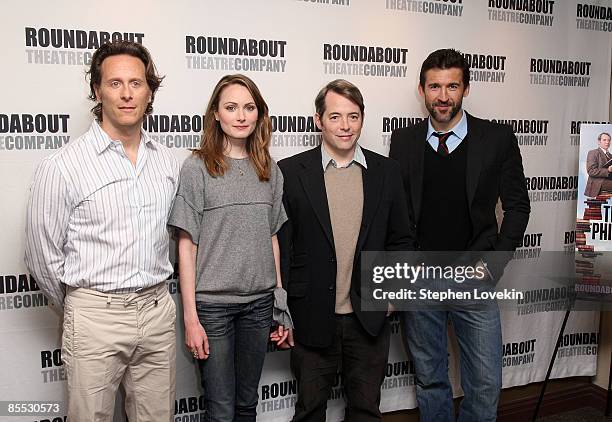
pixel 416 155
pixel 314 185
pixel 475 153
pixel 372 188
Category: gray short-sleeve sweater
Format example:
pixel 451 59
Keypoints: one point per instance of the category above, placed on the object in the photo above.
pixel 232 219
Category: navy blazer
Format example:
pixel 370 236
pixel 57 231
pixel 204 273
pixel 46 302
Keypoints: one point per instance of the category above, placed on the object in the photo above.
pixel 494 171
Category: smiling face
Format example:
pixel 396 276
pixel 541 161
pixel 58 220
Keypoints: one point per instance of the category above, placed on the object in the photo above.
pixel 123 93
pixel 236 113
pixel 443 94
pixel 340 126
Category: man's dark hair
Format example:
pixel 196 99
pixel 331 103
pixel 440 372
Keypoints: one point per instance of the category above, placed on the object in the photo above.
pixel 340 87
pixel 116 48
pixel 445 58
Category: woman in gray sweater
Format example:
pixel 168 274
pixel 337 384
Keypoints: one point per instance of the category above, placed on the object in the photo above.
pixel 227 212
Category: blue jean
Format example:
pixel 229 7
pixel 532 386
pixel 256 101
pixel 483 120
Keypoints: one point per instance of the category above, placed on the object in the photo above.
pixel 237 338
pixel 478 334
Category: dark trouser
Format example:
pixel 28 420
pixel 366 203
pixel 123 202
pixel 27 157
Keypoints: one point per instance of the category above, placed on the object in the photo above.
pixel 363 359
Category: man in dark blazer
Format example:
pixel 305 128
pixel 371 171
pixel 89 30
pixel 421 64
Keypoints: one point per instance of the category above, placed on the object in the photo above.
pixel 454 168
pixel 341 200
pixel 600 175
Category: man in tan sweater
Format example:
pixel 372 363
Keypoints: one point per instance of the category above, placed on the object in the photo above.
pixel 341 199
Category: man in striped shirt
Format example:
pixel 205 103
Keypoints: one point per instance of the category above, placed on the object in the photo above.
pixel 97 244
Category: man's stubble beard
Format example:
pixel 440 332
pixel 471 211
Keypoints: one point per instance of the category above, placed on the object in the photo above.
pixel 439 118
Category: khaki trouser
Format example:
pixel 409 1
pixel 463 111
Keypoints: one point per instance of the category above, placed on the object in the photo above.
pixel 127 339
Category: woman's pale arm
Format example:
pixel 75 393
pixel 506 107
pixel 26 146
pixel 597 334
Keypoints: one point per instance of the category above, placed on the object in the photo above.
pixel 195 336
pixel 282 336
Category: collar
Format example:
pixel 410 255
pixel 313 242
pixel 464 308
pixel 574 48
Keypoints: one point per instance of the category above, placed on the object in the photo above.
pixel 460 129
pixel 102 141
pixel 358 157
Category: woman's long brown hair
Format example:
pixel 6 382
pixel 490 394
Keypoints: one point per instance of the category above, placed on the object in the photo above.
pixel 213 138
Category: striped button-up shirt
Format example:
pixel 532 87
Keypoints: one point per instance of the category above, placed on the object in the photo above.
pixel 94 220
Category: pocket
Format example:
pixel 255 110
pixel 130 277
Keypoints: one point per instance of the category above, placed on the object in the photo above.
pixel 298 276
pixel 298 271
pixel 297 289
pixel 94 350
pixel 68 331
pixel 299 260
pixel 90 329
pixel 171 307
pixel 492 240
pixel 262 309
pixel 214 318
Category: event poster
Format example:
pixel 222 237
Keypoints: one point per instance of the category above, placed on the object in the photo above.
pixel 594 209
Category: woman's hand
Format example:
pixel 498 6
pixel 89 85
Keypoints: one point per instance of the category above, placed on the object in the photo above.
pixel 196 339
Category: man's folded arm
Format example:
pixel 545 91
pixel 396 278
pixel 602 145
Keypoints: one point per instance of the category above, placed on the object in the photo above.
pixel 47 215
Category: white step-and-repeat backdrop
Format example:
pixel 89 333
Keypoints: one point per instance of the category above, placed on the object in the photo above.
pixel 542 66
